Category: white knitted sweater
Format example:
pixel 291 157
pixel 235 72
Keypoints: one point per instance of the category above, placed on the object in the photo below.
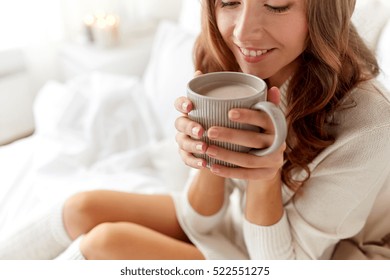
pixel 334 204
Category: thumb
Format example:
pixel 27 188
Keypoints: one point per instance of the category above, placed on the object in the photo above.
pixel 198 73
pixel 274 95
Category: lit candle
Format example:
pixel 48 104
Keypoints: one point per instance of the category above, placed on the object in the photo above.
pixel 113 28
pixel 89 20
pixel 102 29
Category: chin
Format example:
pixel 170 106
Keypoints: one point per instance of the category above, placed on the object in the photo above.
pixel 261 74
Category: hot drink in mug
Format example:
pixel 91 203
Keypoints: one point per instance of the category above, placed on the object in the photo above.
pixel 215 94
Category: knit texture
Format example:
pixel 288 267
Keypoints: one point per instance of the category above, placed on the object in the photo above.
pixel 42 238
pixel 73 252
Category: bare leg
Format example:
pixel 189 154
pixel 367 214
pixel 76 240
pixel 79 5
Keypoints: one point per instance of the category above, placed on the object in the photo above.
pixel 128 241
pixel 86 210
pixel 125 225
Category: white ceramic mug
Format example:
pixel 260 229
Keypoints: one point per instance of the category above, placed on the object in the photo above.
pixel 215 94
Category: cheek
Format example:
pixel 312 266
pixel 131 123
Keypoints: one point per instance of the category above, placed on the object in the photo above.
pixel 225 27
pixel 298 39
pixel 302 32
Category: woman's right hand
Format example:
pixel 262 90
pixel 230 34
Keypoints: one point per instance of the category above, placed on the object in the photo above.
pixel 188 135
pixel 204 200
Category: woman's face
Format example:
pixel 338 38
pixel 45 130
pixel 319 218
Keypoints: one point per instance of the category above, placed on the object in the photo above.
pixel 265 36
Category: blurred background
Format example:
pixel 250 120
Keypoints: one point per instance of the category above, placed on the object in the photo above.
pixel 44 40
pixel 58 39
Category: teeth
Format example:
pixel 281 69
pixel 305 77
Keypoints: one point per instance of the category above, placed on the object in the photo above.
pixel 253 53
pixel 245 52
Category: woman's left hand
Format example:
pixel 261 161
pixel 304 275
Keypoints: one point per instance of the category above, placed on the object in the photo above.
pixel 250 167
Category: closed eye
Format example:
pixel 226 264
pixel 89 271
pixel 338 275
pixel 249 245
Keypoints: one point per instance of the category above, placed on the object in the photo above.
pixel 229 3
pixel 278 10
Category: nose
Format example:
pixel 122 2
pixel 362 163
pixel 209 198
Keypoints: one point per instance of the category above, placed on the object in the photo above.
pixel 248 25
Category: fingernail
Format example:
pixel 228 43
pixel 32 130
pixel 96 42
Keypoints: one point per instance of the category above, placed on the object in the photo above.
pixel 184 106
pixel 200 164
pixel 199 147
pixel 212 133
pixel 234 115
pixel 195 131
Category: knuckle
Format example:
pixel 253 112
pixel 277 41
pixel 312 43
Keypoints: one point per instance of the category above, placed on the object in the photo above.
pixel 262 140
pixel 187 146
pixel 180 123
pixel 184 157
pixel 180 139
pixel 177 123
pixel 188 159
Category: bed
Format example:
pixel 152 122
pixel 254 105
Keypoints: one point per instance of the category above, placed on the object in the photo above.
pixel 105 131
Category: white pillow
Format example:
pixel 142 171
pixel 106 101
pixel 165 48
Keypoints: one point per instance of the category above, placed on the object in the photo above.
pixel 168 72
pixel 369 19
pixel 383 55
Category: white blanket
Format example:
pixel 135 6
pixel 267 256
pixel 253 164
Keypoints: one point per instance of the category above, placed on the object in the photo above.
pixel 101 131
pixel 95 132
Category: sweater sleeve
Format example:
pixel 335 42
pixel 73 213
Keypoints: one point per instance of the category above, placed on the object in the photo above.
pixel 200 223
pixel 269 242
pixel 334 203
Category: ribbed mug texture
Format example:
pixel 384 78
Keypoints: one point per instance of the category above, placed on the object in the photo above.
pixel 213 111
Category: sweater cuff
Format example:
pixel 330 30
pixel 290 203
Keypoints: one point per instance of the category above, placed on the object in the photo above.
pixel 204 224
pixel 269 242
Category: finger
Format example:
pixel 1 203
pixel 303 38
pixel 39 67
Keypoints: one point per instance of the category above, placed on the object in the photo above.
pixel 198 73
pixel 244 173
pixel 274 95
pixel 189 127
pixel 190 145
pixel 192 161
pixel 253 117
pixel 247 160
pixel 252 139
pixel 183 105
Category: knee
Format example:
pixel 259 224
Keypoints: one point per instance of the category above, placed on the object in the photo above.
pixel 102 242
pixel 78 213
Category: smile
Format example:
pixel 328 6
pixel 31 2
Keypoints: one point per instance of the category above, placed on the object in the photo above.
pixel 253 53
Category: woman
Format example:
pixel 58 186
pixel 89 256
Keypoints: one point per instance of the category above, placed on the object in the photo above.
pixel 300 203
pixel 296 203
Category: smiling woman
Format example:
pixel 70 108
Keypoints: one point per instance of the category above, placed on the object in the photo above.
pixel 312 52
pixel 329 183
pixel 264 37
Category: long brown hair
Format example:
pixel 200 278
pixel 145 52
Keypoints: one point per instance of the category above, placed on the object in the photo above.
pixel 335 61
